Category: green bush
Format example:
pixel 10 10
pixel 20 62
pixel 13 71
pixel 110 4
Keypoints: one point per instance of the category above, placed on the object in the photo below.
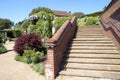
pixel 58 22
pixel 32 56
pixel 3 38
pixel 17 33
pixel 13 33
pixel 91 20
pixel 81 23
pixel 20 58
pixel 2 49
pixel 38 68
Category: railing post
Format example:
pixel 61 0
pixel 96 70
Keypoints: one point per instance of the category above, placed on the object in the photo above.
pixel 49 67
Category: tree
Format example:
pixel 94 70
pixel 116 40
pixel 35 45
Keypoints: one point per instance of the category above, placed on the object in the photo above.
pixel 78 14
pixel 104 8
pixel 5 24
pixel 25 25
pixel 39 9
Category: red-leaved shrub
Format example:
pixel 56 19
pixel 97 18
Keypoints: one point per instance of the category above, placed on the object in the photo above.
pixel 32 41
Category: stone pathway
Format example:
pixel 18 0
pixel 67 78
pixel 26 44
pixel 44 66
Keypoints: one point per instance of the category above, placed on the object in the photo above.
pixel 14 70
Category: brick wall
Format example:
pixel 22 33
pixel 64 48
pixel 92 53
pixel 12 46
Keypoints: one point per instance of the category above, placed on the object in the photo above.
pixel 57 46
pixel 110 22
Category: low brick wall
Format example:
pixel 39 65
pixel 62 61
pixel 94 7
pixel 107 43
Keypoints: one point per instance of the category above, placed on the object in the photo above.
pixel 110 22
pixel 57 46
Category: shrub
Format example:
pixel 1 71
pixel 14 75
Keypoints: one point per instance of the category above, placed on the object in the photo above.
pixel 30 56
pixel 3 38
pixel 31 41
pixel 17 33
pixel 10 34
pixel 2 49
pixel 33 57
pixel 91 20
pixel 19 58
pixel 81 23
pixel 58 22
pixel 38 68
pixel 13 33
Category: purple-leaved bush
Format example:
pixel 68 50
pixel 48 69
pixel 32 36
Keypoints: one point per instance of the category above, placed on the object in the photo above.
pixel 32 41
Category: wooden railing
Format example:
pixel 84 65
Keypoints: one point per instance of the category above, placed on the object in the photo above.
pixel 56 47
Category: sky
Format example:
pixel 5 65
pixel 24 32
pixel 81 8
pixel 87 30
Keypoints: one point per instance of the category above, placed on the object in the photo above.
pixel 18 10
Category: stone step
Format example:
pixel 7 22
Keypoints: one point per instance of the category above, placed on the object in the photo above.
pixel 94 61
pixel 89 27
pixel 90 45
pixel 91 39
pixel 103 56
pixel 88 53
pixel 94 51
pixel 91 32
pixel 81 41
pixel 79 34
pixel 91 73
pixel 91 42
pixel 99 67
pixel 90 35
pixel 91 54
pixel 90 48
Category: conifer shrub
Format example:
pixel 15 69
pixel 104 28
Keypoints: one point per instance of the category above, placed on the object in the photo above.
pixel 30 41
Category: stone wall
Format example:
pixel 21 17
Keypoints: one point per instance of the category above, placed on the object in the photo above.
pixel 110 22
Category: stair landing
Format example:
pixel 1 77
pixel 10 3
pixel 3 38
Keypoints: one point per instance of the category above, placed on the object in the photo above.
pixel 91 54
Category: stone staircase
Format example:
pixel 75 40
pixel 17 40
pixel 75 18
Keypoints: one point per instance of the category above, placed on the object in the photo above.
pixel 91 54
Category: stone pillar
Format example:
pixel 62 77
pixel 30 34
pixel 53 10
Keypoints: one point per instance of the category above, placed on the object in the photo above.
pixel 49 67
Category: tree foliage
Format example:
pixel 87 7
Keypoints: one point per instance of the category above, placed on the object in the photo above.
pixel 58 22
pixel 78 14
pixel 5 24
pixel 39 9
pixel 93 14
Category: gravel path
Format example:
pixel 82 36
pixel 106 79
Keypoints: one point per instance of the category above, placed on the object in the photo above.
pixel 14 70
